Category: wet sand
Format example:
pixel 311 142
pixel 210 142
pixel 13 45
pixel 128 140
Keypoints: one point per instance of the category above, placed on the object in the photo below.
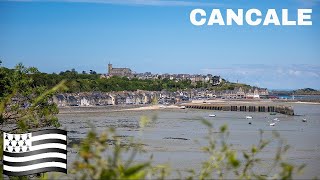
pixel 171 139
pixel 117 108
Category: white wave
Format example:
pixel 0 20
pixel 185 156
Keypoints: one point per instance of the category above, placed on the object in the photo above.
pixel 49 136
pixel 35 157
pixel 34 166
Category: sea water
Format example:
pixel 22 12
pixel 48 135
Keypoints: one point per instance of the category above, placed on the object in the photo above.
pixel 176 135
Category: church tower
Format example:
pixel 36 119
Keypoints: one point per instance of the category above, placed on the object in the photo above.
pixel 109 68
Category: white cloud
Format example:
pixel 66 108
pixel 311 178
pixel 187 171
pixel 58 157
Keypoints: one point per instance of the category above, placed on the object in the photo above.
pixel 271 76
pixel 294 72
pixel 133 2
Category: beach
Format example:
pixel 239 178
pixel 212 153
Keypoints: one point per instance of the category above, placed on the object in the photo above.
pixel 85 109
pixel 177 134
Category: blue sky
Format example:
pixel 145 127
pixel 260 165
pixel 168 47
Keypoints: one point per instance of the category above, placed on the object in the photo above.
pixel 157 36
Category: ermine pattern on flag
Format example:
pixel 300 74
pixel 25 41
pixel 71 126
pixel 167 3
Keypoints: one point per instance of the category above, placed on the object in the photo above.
pixel 36 152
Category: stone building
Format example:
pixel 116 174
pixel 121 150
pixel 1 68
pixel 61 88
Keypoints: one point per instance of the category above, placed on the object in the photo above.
pixel 122 72
pixel 216 80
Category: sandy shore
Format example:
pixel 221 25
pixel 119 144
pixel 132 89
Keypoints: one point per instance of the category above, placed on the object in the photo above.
pixel 88 109
pixel 299 102
pixel 152 107
pixel 116 108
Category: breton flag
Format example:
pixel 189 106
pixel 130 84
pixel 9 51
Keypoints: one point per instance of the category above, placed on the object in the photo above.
pixel 36 152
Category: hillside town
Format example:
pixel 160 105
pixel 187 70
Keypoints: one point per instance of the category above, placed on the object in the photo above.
pixel 194 78
pixel 158 97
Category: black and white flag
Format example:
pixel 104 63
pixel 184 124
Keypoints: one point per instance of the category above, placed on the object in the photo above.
pixel 36 152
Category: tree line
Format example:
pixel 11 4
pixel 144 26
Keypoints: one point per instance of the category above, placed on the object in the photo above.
pixel 88 82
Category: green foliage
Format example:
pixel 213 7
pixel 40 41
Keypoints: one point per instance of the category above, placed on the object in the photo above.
pixel 306 91
pixel 25 104
pixel 230 86
pixel 100 157
pixel 94 161
pixel 88 82
pixel 92 82
pixel 223 161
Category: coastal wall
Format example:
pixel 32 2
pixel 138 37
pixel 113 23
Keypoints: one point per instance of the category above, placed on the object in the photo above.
pixel 288 110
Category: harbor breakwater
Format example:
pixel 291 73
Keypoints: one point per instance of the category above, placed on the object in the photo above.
pixel 282 109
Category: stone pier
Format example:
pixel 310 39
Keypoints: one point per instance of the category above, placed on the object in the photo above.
pixel 288 110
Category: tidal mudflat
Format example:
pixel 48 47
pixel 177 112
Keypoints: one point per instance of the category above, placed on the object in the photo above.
pixel 177 134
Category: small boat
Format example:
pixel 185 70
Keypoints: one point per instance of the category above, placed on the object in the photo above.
pixel 276 119
pixel 248 117
pixel 212 115
pixel 273 113
pixel 182 107
pixel 304 120
pixel 272 124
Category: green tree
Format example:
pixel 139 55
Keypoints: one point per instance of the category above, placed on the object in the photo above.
pixel 23 103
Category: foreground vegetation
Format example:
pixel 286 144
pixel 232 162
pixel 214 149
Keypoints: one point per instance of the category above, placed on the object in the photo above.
pixel 27 106
pixel 24 106
pixel 223 162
